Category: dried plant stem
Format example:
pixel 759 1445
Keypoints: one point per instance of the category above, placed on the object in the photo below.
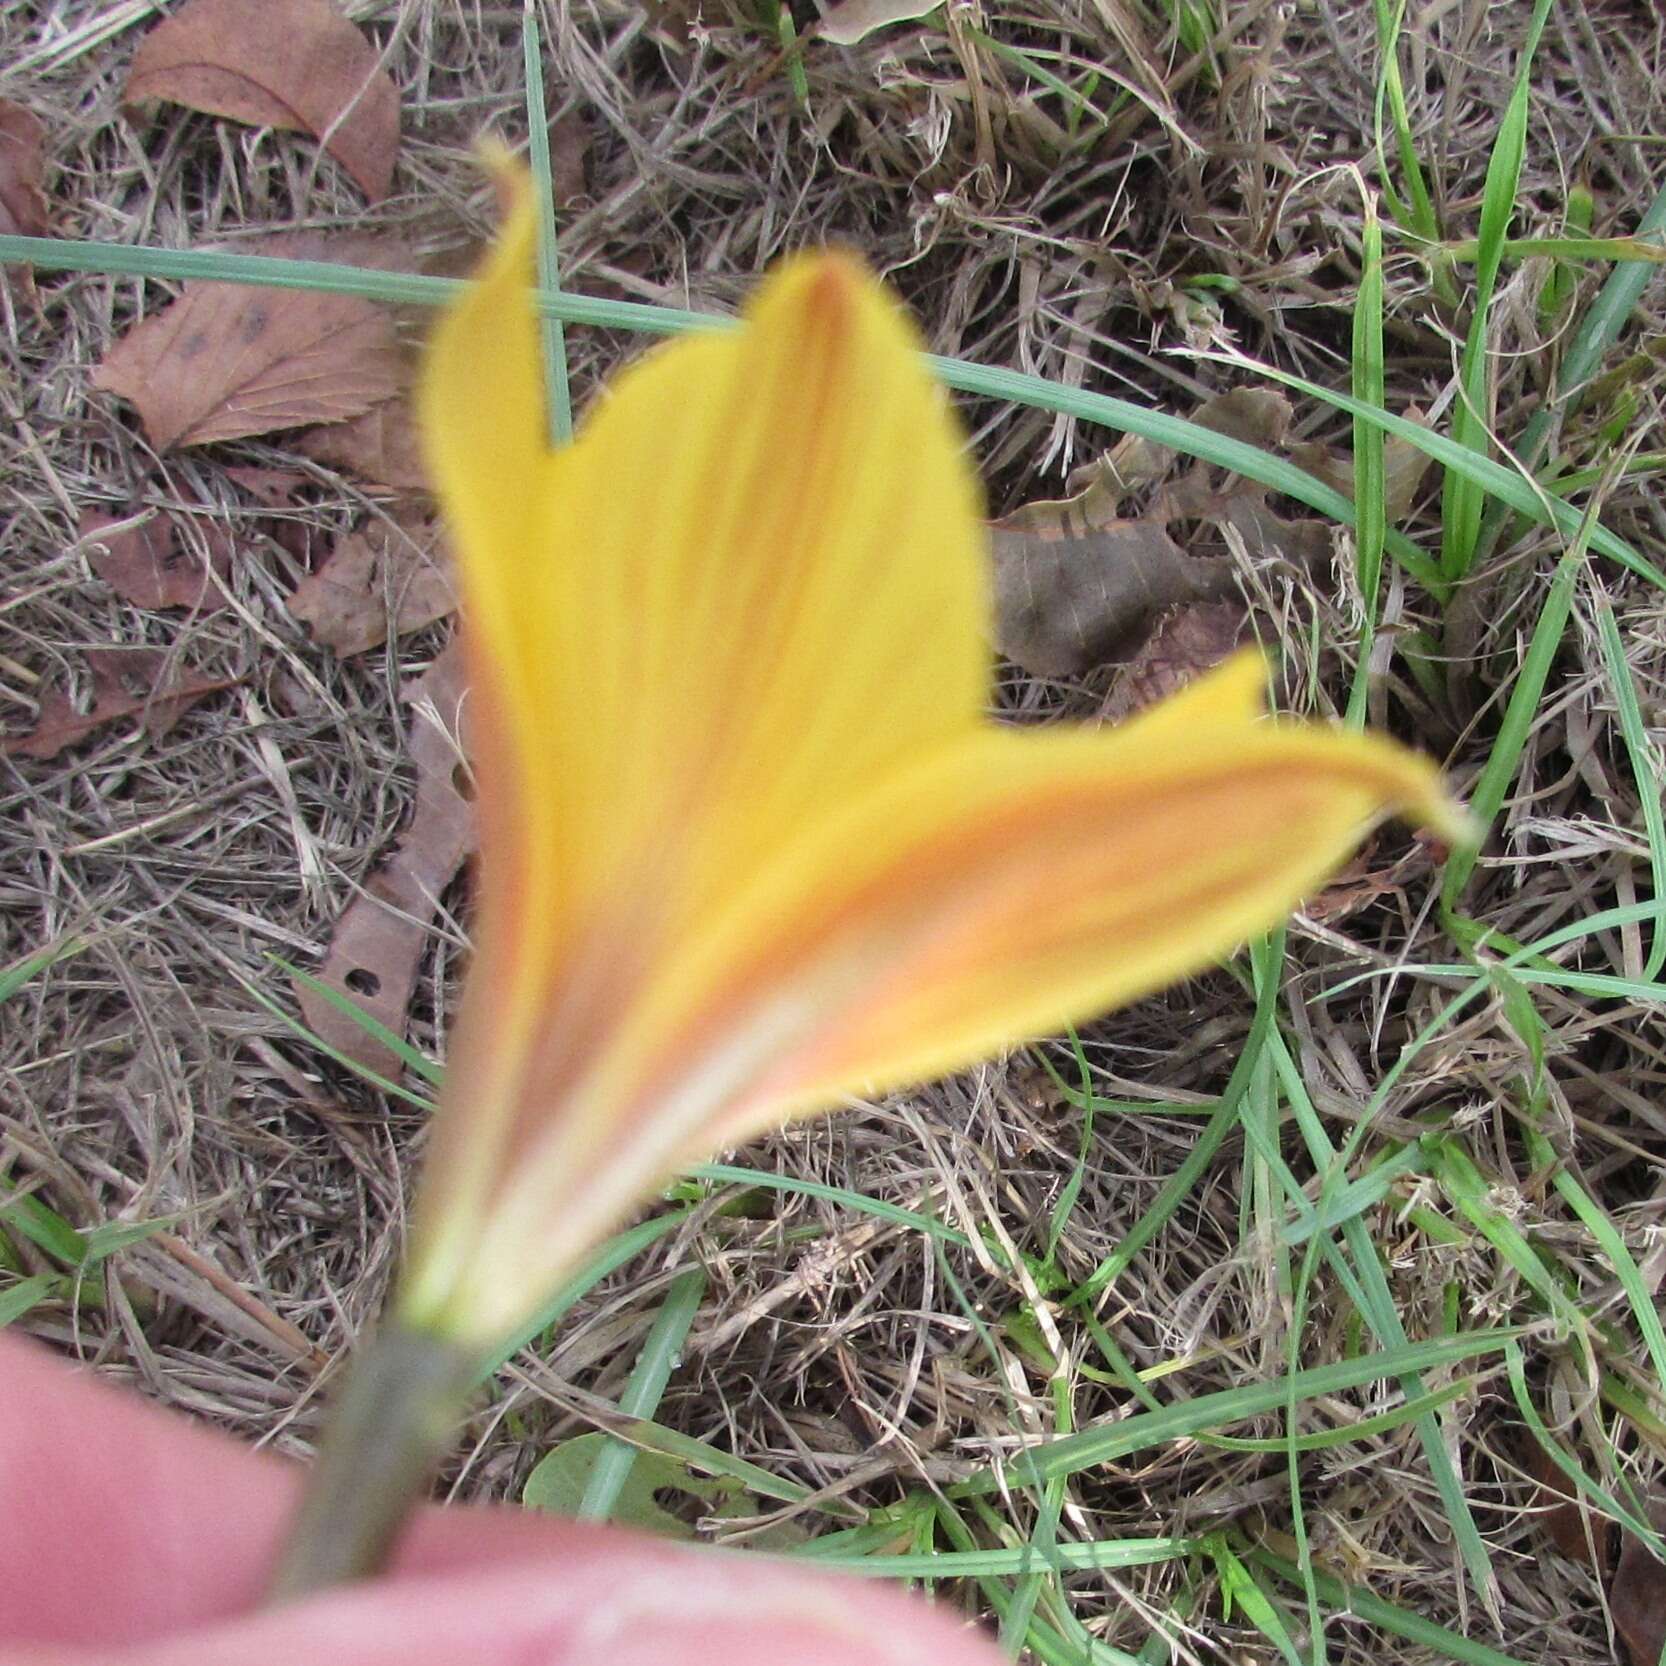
pixel 385 1438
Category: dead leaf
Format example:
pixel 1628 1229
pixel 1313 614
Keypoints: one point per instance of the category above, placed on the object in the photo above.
pixel 271 488
pixel 226 360
pixel 1068 600
pixel 387 574
pixel 165 561
pixel 570 141
pixel 1365 881
pixel 126 682
pixel 22 172
pixel 1404 467
pixel 852 20
pixel 378 943
pixel 380 446
pixel 298 65
pixel 1562 1518
pixel 1257 416
pixel 23 209
pixel 1189 642
pixel 1637 1600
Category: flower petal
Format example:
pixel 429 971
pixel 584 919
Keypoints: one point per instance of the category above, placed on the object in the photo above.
pixel 1001 887
pixel 753 586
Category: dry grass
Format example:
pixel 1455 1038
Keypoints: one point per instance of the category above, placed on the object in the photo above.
pixel 140 1079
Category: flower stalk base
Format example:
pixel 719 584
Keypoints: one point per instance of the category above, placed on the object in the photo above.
pixel 385 1439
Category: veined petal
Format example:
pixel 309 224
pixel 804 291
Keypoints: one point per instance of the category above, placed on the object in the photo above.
pixel 996 889
pixel 753 586
pixel 754 583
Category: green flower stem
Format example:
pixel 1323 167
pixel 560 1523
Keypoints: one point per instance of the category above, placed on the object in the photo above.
pixel 385 1438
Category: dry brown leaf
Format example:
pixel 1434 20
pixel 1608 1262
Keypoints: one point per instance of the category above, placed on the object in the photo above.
pixel 272 488
pixel 1067 600
pixel 1187 643
pixel 570 140
pixel 22 172
pixel 165 561
pixel 1561 1517
pixel 852 20
pixel 379 941
pixel 1637 1600
pixel 388 575
pixel 126 682
pixel 1404 467
pixel 226 360
pixel 298 65
pixel 23 209
pixel 380 446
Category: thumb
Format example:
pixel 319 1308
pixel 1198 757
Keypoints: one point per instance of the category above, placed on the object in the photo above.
pixel 617 1599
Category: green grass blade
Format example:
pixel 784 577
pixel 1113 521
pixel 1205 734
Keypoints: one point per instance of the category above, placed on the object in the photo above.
pixel 1361 1272
pixel 1487 796
pixel 1361 1604
pixel 608 1258
pixel 1180 1183
pixel 1651 788
pixel 26 1295
pixel 556 391
pixel 1119 415
pixel 20 972
pixel 1082 1556
pixel 1110 1442
pixel 1419 215
pixel 648 1436
pixel 1505 484
pixel 1598 330
pixel 1461 501
pixel 730 1173
pixel 1567 248
pixel 1370 469
pixel 413 1058
pixel 641 1398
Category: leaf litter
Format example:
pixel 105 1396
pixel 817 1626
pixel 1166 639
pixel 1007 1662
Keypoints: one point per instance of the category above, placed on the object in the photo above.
pixel 389 577
pixel 23 209
pixel 155 559
pixel 1079 583
pixel 226 361
pixel 377 947
pixel 125 682
pixel 298 65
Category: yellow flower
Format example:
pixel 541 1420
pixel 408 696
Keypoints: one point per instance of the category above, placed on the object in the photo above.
pixel 750 841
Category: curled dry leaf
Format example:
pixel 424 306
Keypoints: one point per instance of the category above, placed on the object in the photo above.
pixel 1560 1515
pixel 1077 583
pixel 126 682
pixel 161 561
pixel 22 175
pixel 1257 416
pixel 298 65
pixel 271 488
pixel 226 360
pixel 378 942
pixel 1071 598
pixel 388 577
